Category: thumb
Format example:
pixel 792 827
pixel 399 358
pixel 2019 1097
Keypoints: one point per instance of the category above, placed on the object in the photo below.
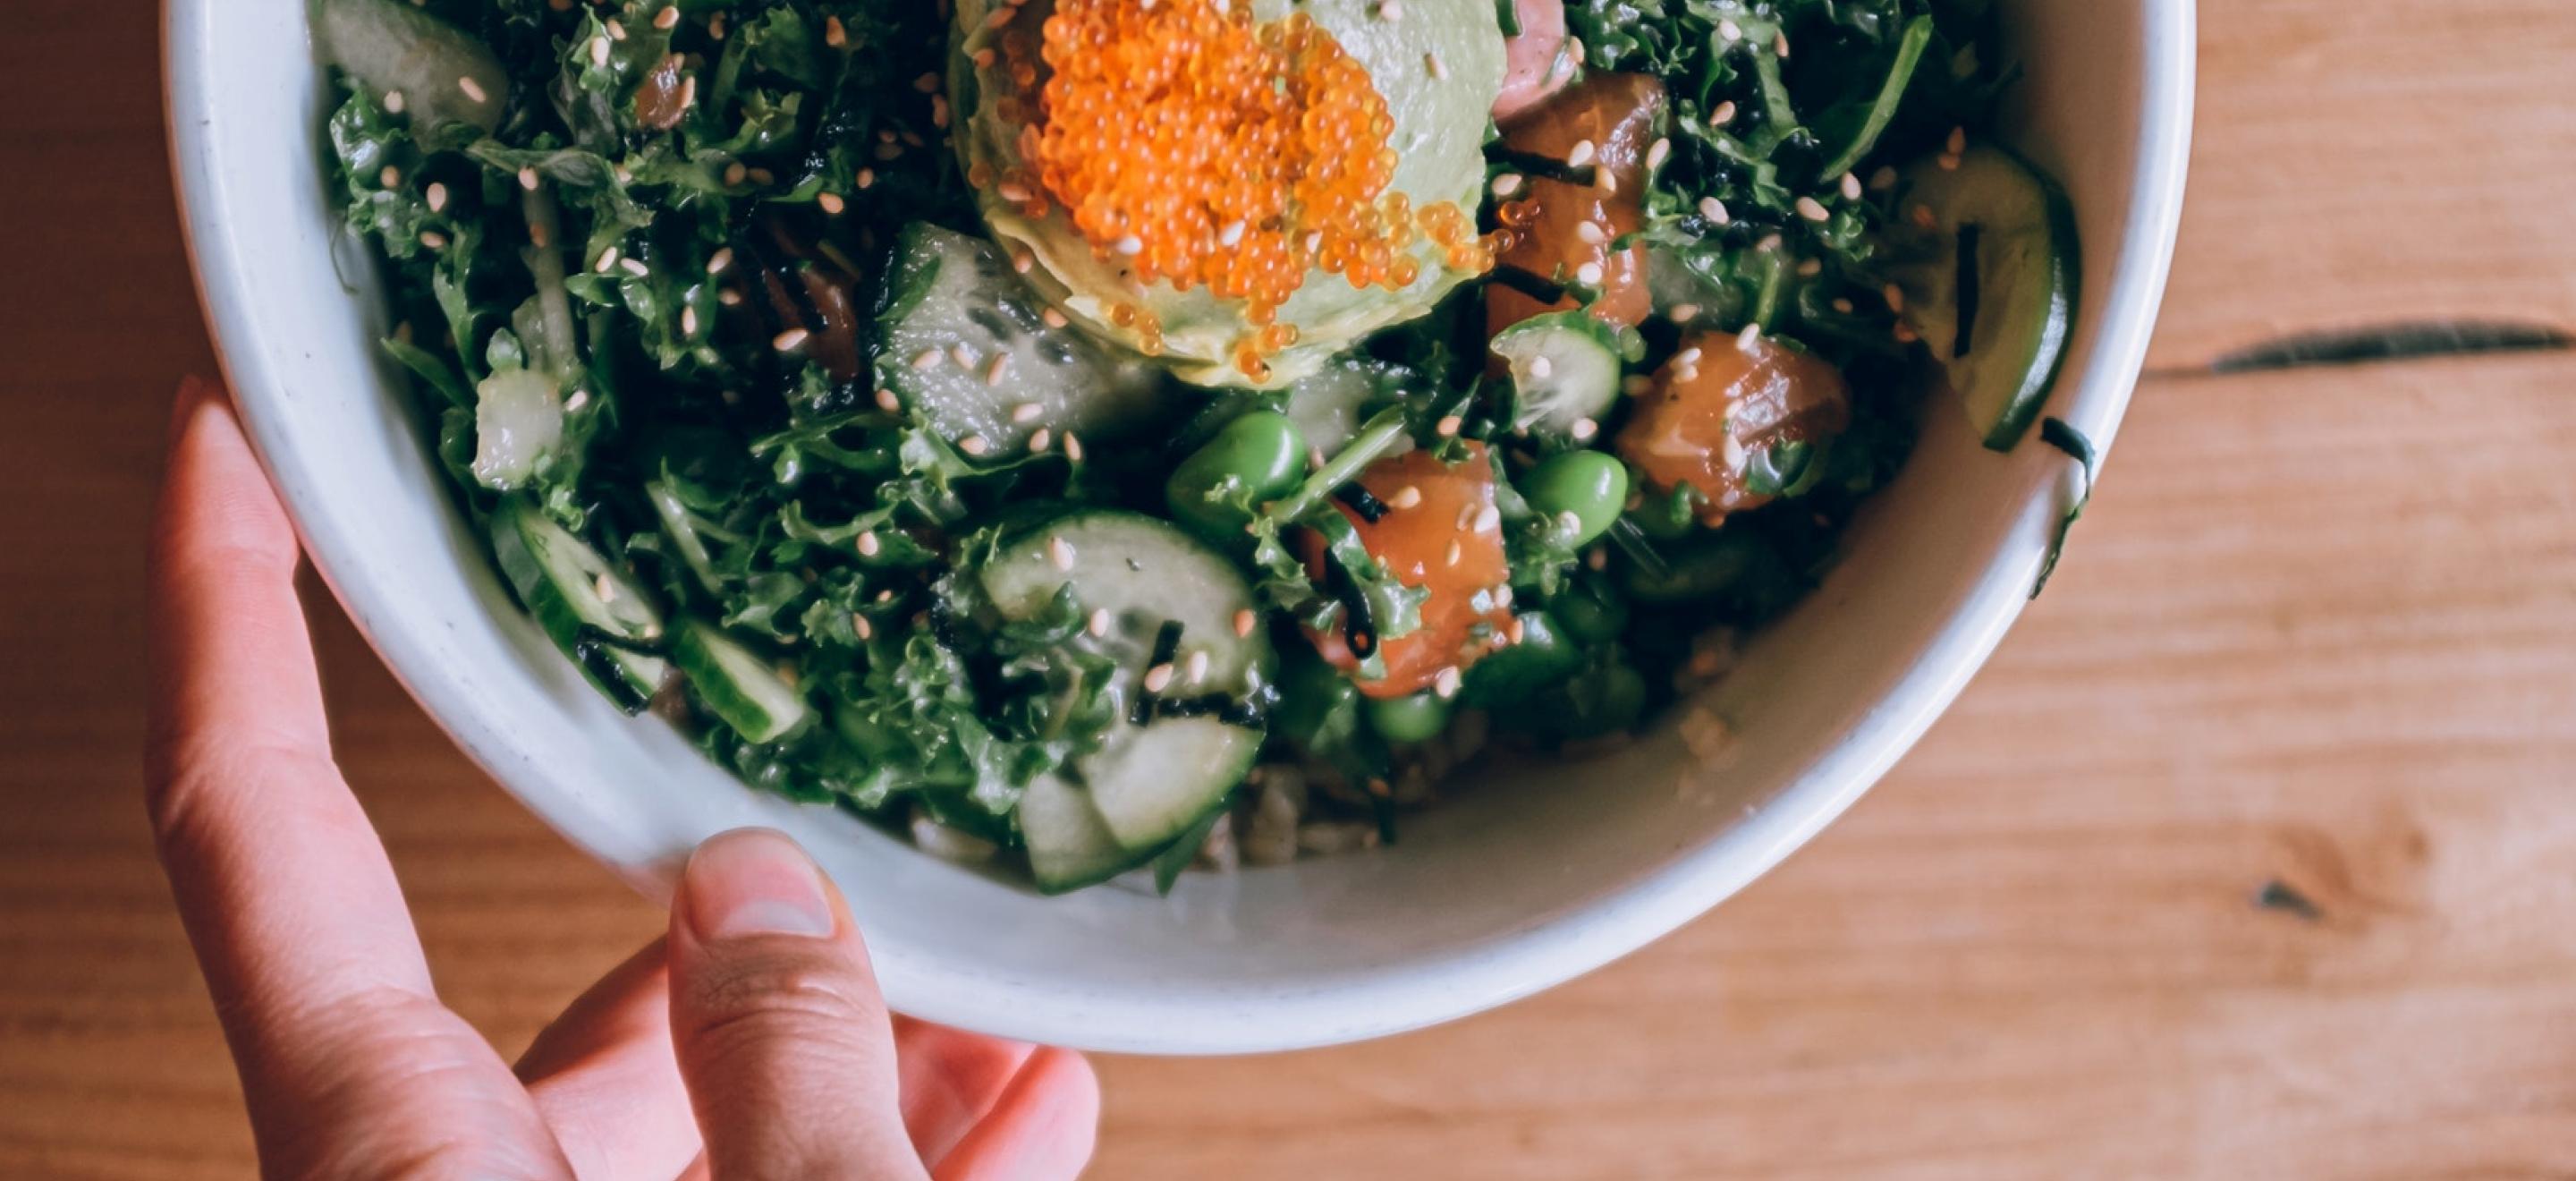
pixel 775 1016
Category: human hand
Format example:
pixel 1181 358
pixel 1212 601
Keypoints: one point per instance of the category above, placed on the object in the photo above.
pixel 749 1043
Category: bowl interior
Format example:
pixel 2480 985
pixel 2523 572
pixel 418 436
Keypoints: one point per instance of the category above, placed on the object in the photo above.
pixel 1541 872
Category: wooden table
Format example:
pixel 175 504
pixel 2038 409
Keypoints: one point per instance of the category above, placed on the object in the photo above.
pixel 2320 631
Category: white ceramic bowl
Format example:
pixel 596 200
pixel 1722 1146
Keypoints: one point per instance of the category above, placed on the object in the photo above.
pixel 1532 879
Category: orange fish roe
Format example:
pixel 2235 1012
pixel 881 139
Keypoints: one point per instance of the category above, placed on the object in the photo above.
pixel 1206 150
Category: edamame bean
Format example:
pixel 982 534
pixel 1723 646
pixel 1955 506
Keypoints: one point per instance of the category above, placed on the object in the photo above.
pixel 1583 490
pixel 1539 660
pixel 1590 610
pixel 1255 458
pixel 1419 718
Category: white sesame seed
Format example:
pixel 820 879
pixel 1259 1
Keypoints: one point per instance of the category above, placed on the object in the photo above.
pixel 1507 184
pixel 1851 187
pixel 927 83
pixel 607 261
pixel 716 27
pixel 993 373
pixel 1948 163
pixel 720 261
pixel 1589 274
pixel 729 298
pixel 1690 356
pixel 1730 30
pixel 390 177
pixel 963 355
pixel 1244 622
pixel 604 587
pixel 1584 429
pixel 1131 246
pixel 1723 115
pixel 1883 179
pixel 928 359
pixel 831 203
pixel 1406 497
pixel 1158 678
pixel 1811 268
pixel 1683 313
pixel 1541 368
pixel 867 179
pixel 1022 261
pixel 887 402
pixel 1197 667
pixel 1924 217
pixel 788 341
pixel 688 321
pixel 974 445
pixel 1072 447
pixel 1842 305
pixel 1585 151
pixel 1439 69
pixel 1098 625
pixel 1232 235
pixel 759 176
pixel 667 19
pixel 635 268
pixel 1449 426
pixel 433 239
pixel 579 399
pixel 1390 10
pixel 1958 142
pixel 859 624
pixel 1905 335
pixel 528 179
pixel 1591 232
pixel 1011 191
pixel 1054 318
pixel 735 173
pixel 598 51
pixel 1025 411
pixel 616 30
pixel 473 90
pixel 1488 519
pixel 835 34
pixel 1895 297
pixel 868 544
pixel 1714 210
pixel 1780 45
pixel 1453 554
pixel 1447 682
pixel 1812 210
pixel 394 102
pixel 1751 336
pixel 1658 152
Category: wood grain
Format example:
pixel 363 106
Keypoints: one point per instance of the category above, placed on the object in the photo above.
pixel 2320 630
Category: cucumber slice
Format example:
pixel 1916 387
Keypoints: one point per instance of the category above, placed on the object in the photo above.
pixel 392 47
pixel 1566 367
pixel 1069 845
pixel 1993 291
pixel 1329 404
pixel 736 684
pixel 594 613
pixel 957 311
pixel 1148 784
pixel 518 422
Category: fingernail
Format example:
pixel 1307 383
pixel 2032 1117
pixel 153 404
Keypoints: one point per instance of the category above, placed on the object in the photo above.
pixel 756 882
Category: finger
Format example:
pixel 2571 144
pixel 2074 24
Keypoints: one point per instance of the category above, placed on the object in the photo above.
pixel 345 1053
pixel 950 1080
pixel 1041 1128
pixel 781 1033
pixel 604 1078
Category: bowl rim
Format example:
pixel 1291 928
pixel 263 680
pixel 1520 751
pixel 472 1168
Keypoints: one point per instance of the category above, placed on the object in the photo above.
pixel 1425 993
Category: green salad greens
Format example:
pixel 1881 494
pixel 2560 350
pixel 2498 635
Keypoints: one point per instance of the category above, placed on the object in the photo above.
pixel 781 353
